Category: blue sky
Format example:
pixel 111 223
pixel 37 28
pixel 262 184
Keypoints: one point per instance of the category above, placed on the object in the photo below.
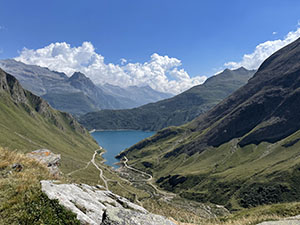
pixel 203 35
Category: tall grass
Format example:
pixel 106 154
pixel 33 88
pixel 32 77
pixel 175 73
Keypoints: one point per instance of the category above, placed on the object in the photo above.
pixel 21 199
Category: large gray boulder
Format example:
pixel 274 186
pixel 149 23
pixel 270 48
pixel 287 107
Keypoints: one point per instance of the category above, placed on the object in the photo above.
pixel 120 216
pixel 294 220
pixel 281 222
pixel 96 206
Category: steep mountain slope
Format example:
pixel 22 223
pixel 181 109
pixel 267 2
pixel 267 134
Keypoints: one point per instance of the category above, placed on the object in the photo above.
pixel 77 94
pixel 174 111
pixel 245 151
pixel 90 97
pixel 27 123
pixel 38 80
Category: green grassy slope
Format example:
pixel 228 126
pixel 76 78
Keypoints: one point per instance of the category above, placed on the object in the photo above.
pixel 28 123
pixel 21 198
pixel 174 111
pixel 229 174
pixel 244 152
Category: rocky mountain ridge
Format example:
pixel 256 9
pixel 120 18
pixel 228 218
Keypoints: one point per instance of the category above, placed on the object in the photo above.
pixel 244 151
pixel 28 123
pixel 174 111
pixel 265 109
pixel 77 94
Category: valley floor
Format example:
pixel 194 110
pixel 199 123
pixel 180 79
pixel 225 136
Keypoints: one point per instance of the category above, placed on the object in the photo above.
pixel 157 201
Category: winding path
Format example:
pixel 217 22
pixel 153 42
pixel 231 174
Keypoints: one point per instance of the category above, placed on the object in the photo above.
pixel 134 169
pixel 98 168
pixel 148 181
pixel 105 180
pixel 74 171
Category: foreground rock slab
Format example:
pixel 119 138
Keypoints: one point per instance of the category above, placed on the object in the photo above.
pixel 289 221
pixel 93 205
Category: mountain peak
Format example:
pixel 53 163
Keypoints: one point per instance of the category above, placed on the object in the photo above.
pixel 266 105
pixel 241 69
pixel 78 76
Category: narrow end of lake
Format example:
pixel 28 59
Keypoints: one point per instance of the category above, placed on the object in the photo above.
pixel 116 141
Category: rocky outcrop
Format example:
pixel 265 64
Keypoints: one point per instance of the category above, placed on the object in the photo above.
pixel 33 104
pixel 288 221
pixel 119 216
pixel 94 205
pixel 47 158
pixel 77 94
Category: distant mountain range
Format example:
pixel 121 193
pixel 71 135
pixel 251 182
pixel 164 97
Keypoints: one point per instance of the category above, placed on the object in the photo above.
pixel 78 94
pixel 243 152
pixel 173 111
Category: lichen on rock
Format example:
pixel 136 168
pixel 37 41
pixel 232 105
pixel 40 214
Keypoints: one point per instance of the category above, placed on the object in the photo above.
pixel 93 205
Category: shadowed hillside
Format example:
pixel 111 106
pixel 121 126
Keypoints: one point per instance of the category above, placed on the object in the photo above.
pixel 173 111
pixel 243 152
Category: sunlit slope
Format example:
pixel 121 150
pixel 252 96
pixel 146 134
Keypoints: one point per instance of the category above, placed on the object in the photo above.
pixel 28 123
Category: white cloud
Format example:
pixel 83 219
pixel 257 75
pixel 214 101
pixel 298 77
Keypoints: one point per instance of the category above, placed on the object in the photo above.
pixel 162 73
pixel 274 32
pixel 123 61
pixel 263 51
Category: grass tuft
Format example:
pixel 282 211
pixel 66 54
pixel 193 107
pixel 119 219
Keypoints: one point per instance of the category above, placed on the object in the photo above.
pixel 21 198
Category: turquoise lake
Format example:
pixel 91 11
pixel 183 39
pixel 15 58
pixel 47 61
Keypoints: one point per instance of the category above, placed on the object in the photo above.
pixel 116 141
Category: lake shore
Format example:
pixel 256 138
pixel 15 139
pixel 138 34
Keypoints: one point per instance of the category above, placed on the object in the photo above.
pixel 116 141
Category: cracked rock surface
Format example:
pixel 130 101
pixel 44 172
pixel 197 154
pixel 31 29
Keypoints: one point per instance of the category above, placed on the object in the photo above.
pixel 93 205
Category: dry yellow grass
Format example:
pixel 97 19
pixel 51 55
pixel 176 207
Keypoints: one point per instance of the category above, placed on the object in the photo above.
pixel 30 175
pixel 249 216
pixel 21 198
pixel 241 221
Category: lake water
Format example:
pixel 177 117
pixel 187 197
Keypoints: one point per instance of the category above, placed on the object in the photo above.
pixel 116 141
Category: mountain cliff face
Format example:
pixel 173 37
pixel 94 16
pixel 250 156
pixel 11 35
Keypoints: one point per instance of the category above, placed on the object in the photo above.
pixel 174 111
pixel 27 123
pixel 77 94
pixel 263 110
pixel 243 152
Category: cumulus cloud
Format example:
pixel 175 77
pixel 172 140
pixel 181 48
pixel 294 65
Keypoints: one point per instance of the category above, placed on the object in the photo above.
pixel 263 51
pixel 123 61
pixel 162 73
